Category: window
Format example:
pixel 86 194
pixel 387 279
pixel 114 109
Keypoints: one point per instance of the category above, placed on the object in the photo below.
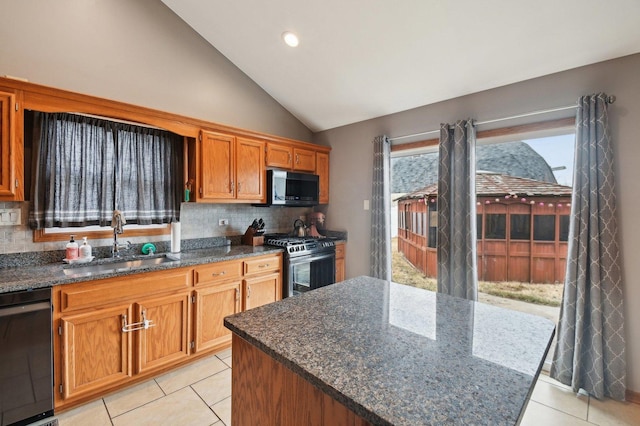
pixel 564 227
pixel 544 227
pixel 433 225
pixel 495 226
pixel 520 227
pixel 86 167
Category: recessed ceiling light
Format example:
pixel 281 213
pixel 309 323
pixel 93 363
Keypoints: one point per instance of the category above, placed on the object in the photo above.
pixel 290 38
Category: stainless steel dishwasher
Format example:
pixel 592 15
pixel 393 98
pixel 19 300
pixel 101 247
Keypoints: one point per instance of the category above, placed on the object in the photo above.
pixel 26 370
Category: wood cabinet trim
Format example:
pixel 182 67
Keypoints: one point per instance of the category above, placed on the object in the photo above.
pixel 49 99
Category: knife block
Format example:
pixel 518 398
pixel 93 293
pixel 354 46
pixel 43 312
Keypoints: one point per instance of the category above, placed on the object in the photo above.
pixel 250 238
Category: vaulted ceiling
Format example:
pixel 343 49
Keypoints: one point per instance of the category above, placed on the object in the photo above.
pixel 361 59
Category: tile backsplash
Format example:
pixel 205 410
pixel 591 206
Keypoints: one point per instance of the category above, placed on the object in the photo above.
pixel 197 221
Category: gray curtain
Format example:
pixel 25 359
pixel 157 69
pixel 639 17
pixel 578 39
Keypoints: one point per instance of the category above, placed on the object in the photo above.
pixel 380 209
pixel 149 175
pixel 85 167
pixel 456 248
pixel 73 171
pixel 590 353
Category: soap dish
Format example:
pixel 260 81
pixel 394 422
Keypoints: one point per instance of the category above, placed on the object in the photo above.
pixel 79 260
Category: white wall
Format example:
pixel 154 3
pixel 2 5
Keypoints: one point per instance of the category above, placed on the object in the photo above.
pixel 352 160
pixel 137 52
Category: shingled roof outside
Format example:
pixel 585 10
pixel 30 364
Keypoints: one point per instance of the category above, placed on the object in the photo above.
pixel 489 184
pixel 409 174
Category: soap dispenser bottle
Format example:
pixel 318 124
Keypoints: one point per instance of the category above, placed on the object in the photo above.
pixel 72 249
pixel 85 249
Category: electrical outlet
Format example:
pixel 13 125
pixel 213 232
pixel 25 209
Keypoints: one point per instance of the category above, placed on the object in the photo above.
pixel 223 222
pixel 10 217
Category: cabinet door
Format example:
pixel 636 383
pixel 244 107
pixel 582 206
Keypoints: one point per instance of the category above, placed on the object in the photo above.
pixel 217 166
pixel 213 303
pixel 304 160
pixel 261 290
pixel 279 156
pixel 250 171
pixel 166 341
pixel 322 170
pixel 95 351
pixel 10 149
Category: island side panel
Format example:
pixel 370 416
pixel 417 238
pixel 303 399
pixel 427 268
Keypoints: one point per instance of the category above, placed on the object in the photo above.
pixel 264 391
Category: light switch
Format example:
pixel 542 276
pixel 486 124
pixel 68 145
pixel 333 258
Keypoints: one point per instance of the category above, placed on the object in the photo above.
pixel 366 204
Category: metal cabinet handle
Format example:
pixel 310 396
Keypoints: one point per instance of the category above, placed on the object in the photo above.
pixel 297 158
pixel 142 325
pixel 218 274
pixel 248 292
pixel 239 186
pixel 266 265
pixel 232 186
pixel 289 160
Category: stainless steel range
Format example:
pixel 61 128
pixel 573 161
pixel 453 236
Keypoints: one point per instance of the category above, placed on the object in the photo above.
pixel 309 263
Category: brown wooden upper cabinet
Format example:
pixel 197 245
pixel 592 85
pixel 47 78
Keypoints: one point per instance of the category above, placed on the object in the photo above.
pixel 11 149
pixel 322 170
pixel 304 160
pixel 231 169
pixel 280 156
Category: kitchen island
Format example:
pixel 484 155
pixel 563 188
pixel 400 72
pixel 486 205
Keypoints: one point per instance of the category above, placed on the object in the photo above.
pixel 367 351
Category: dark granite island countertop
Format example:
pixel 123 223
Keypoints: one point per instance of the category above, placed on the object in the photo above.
pixel 398 355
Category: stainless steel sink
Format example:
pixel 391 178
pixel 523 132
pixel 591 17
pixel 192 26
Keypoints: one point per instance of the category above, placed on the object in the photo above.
pixel 116 266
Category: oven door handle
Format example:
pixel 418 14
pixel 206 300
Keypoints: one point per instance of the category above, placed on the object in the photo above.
pixel 311 258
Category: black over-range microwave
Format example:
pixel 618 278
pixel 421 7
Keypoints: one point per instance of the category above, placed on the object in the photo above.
pixel 292 189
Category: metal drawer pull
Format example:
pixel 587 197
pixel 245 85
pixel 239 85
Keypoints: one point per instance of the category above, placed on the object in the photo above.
pixel 266 265
pixel 214 274
pixel 142 325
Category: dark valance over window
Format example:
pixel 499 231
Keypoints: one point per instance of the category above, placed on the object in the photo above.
pixel 85 167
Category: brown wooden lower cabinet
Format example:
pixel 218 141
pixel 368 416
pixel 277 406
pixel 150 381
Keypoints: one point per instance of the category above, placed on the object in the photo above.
pixel 166 341
pixel 213 303
pixel 266 392
pixel 85 369
pixel 114 332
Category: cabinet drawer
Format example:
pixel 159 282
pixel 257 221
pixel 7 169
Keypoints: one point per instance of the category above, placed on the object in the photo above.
pixel 103 292
pixel 218 272
pixel 262 264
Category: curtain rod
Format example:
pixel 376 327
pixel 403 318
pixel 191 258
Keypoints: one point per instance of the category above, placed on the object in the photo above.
pixel 610 99
pixel 117 120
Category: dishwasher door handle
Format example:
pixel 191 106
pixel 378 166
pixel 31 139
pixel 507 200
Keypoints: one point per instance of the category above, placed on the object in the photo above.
pixel 24 309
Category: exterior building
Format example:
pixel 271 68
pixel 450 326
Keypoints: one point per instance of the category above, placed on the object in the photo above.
pixel 522 228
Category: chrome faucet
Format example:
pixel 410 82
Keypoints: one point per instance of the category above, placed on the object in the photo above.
pixel 117 224
pixel 115 250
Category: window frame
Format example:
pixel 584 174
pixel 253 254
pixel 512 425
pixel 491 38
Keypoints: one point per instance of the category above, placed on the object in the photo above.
pixel 42 236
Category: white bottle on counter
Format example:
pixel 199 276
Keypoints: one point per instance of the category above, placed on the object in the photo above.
pixel 72 249
pixel 85 249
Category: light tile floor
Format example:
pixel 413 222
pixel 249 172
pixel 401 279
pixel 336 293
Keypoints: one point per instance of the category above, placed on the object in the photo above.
pixel 200 394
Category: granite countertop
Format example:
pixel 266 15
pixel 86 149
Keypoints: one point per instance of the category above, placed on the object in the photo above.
pixel 398 355
pixel 50 274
